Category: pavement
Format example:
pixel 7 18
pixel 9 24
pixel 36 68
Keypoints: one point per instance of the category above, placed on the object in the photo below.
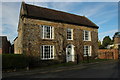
pixel 103 69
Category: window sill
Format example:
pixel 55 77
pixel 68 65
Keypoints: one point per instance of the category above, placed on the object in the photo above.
pixel 86 40
pixel 86 55
pixel 69 39
pixel 48 59
pixel 47 39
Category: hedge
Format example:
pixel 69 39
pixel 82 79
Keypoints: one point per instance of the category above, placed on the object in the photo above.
pixel 14 61
pixel 35 62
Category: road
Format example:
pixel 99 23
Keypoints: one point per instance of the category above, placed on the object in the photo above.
pixel 108 69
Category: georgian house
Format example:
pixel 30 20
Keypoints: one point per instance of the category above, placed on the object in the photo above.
pixel 51 34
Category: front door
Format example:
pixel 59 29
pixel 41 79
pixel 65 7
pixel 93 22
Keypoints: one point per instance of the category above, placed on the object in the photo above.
pixel 70 53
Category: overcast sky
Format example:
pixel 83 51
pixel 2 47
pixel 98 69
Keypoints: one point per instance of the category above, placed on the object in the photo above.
pixel 103 14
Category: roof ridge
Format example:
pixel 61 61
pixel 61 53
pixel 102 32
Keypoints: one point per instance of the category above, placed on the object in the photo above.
pixel 89 20
pixel 43 13
pixel 53 10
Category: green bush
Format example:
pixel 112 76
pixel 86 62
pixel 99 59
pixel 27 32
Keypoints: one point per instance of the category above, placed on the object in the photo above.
pixel 42 63
pixel 14 61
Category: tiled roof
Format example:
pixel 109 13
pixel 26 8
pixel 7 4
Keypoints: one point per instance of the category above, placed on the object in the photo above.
pixel 56 16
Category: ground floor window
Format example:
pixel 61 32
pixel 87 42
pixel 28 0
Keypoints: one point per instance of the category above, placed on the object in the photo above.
pixel 87 50
pixel 47 52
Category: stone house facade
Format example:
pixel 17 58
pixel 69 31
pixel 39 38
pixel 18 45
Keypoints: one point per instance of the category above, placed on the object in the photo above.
pixel 49 34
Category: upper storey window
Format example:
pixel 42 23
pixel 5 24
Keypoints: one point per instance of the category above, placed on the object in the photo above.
pixel 87 36
pixel 70 34
pixel 47 32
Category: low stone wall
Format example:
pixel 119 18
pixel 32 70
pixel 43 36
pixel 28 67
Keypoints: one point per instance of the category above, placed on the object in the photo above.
pixel 108 53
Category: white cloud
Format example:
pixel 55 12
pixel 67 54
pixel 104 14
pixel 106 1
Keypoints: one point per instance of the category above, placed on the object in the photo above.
pixel 105 17
pixel 61 6
pixel 107 33
pixel 107 13
pixel 10 15
pixel 102 22
pixel 61 0
pixel 91 12
pixel 0 18
pixel 42 4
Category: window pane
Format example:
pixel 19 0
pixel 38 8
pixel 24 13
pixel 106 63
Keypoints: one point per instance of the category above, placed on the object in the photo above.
pixel 51 51
pixel 86 35
pixel 47 51
pixel 47 31
pixel 42 51
pixel 86 50
pixel 69 33
pixel 51 32
pixel 48 54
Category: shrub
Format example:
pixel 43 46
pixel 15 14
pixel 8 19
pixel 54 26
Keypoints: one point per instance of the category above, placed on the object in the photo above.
pixel 34 62
pixel 14 61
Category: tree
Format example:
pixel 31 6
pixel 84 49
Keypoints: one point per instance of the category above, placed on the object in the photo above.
pixel 112 41
pixel 106 41
pixel 100 45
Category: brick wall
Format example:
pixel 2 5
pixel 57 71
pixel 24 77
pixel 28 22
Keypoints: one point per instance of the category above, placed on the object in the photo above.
pixel 108 53
pixel 5 44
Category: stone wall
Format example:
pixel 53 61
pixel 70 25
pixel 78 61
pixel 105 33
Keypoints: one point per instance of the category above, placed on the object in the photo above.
pixel 18 43
pixel 32 38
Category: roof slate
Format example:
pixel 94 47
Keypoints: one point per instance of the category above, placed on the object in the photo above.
pixel 41 13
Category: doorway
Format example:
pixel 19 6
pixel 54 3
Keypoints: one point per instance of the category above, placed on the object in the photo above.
pixel 70 53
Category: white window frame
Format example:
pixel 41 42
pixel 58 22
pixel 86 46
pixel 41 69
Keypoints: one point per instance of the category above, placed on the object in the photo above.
pixel 89 50
pixel 70 34
pixel 51 32
pixel 43 53
pixel 84 35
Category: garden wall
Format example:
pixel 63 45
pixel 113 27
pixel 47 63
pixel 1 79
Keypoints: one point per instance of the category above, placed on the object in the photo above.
pixel 108 53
